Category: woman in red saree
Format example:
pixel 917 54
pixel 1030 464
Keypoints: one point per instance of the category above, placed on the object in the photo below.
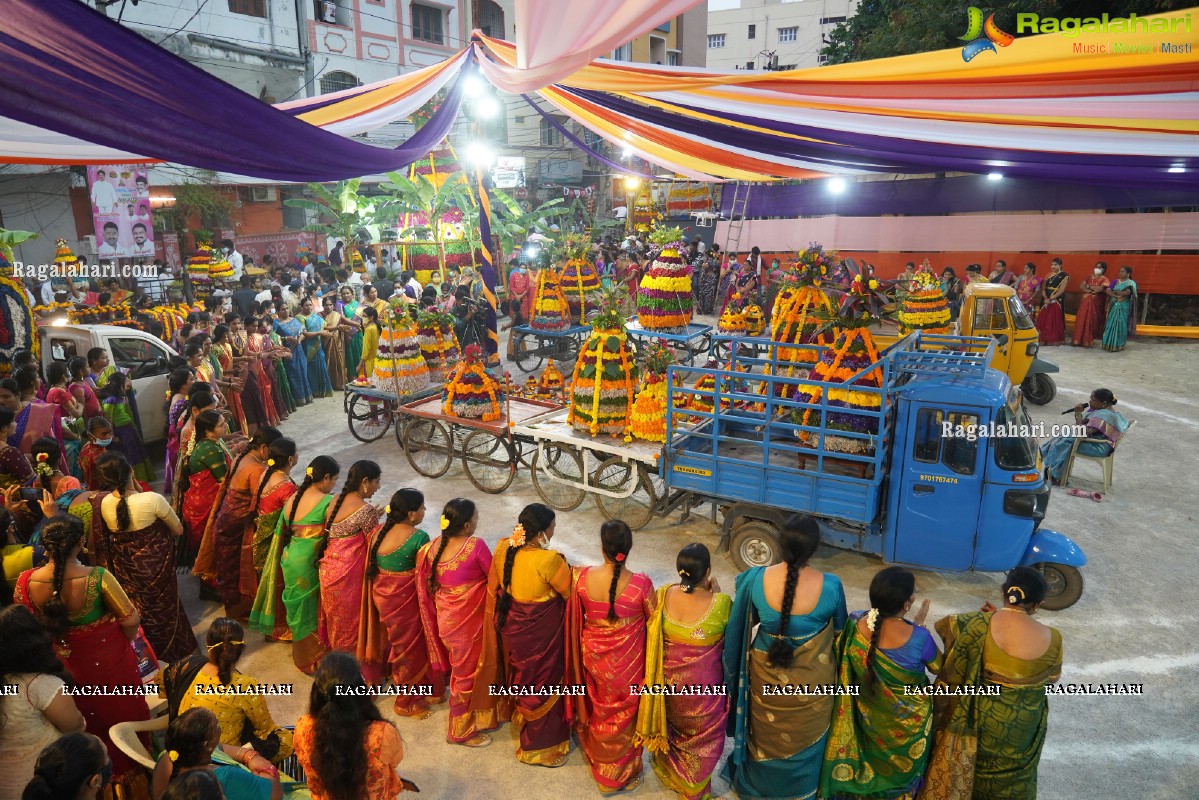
pixel 342 567
pixel 259 348
pixel 134 535
pixel 451 574
pixel 607 641
pixel 685 733
pixel 525 636
pixel 87 611
pixel 204 466
pixel 390 632
pixel 226 554
pixel 1092 308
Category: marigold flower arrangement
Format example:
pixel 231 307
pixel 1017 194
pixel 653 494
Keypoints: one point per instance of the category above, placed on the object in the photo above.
pixel 550 309
pixel 665 296
pixel 220 268
pixel 862 304
pixel 62 252
pixel 438 343
pixel 796 316
pixel 198 266
pixel 472 392
pixel 399 364
pixel 648 418
pixel 605 377
pixel 924 307
pixel 755 321
pixel 579 278
pixel 551 381
pixel 356 261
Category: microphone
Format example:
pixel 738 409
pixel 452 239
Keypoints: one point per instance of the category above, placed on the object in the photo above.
pixel 1067 411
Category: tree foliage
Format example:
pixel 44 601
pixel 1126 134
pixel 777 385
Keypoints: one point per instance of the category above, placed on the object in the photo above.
pixel 885 28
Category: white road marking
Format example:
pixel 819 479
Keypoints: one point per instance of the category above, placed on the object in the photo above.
pixel 1123 406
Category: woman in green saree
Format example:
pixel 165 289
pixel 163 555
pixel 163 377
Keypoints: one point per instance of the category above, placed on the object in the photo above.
pixel 1121 312
pixel 989 746
pixel 268 616
pixel 301 535
pixel 349 310
pixel 878 742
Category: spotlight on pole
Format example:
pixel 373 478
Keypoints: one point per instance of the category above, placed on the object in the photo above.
pixel 631 182
pixel 480 154
pixel 486 107
pixel 473 86
pixel 1176 170
pixel 994 176
pixel 836 185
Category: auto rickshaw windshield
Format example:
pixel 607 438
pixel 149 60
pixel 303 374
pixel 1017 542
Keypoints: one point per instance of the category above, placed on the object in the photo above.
pixel 1015 452
pixel 1020 317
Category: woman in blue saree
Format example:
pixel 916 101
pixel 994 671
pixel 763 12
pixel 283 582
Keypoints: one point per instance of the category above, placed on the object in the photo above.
pixel 291 331
pixel 1104 425
pixel 1121 312
pixel 779 738
pixel 314 350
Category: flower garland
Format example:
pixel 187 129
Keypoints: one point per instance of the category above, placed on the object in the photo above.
pixel 111 315
pixel 648 417
pixel 472 392
pixel 17 328
pixel 51 308
pixel 579 279
pixel 665 297
pixel 550 309
pixel 438 343
pixel 603 384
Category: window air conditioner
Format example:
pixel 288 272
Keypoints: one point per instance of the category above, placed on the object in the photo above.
pixel 263 194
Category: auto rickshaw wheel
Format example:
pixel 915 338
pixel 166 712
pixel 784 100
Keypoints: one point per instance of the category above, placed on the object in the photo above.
pixel 1065 585
pixel 1039 389
pixel 755 544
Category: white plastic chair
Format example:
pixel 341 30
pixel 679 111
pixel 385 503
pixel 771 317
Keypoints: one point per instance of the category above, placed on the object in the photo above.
pixel 1105 461
pixel 124 736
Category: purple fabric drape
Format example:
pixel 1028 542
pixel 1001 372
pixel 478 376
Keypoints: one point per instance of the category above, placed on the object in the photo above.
pixel 68 68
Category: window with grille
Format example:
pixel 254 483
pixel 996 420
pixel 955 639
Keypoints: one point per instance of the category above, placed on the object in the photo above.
pixel 427 24
pixel 753 32
pixel 338 81
pixel 831 20
pixel 788 34
pixel 491 19
pixel 715 40
pixel 550 136
pixel 251 8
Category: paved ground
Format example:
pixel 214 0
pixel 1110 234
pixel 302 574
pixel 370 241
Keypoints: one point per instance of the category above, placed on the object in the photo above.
pixel 1135 623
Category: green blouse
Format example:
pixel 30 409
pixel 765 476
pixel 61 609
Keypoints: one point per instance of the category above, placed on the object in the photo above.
pixel 403 558
pixel 209 455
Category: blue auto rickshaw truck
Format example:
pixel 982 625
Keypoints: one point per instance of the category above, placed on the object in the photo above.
pixel 933 466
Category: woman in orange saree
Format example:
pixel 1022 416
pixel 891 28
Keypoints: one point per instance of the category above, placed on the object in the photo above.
pixel 342 567
pixel 451 576
pixel 390 632
pixel 607 640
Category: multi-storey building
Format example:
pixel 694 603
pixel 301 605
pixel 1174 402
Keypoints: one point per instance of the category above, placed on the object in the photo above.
pixel 771 34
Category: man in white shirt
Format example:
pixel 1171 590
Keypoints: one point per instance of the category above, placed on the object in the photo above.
pixel 234 258
pixel 142 247
pixel 104 196
pixel 110 247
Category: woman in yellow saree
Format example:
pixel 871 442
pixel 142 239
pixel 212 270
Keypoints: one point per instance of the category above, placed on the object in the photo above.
pixel 989 746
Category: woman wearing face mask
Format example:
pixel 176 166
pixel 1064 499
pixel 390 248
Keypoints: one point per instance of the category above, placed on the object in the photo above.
pixel 1092 309
pixel 1051 320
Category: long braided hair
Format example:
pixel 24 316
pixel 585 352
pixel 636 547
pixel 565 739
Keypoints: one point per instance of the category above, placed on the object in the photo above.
pixel 403 504
pixel 60 537
pixel 263 437
pixel 206 422
pixel 456 515
pixel 226 643
pixel 278 454
pixel 319 469
pixel 113 473
pixel 535 520
pixel 359 471
pixel 616 539
pixel 798 541
pixel 890 591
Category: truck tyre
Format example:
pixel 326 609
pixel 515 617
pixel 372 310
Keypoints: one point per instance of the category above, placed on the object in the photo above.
pixel 1039 389
pixel 755 544
pixel 1065 585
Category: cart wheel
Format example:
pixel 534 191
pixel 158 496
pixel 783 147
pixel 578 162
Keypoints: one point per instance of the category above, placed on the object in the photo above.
pixel 755 544
pixel 368 418
pixel 616 475
pixel 528 355
pixel 347 397
pixel 428 446
pixel 1065 585
pixel 562 464
pixel 401 428
pixel 721 350
pixel 566 349
pixel 704 346
pixel 489 463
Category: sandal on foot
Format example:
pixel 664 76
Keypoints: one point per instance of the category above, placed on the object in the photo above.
pixel 478 740
pixel 557 762
pixel 633 785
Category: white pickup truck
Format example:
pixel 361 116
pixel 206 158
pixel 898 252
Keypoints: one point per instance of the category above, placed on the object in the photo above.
pixel 145 358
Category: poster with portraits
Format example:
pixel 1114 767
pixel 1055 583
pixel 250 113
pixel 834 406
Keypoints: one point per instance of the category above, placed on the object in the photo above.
pixel 120 199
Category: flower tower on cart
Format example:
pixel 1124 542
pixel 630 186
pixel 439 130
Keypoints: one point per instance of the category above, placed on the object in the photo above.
pixel 438 343
pixel 801 310
pixel 604 383
pixel 648 418
pixel 551 312
pixel 579 278
pixel 17 329
pixel 732 319
pixel 399 365
pixel 851 354
pixel 924 307
pixel 63 256
pixel 472 392
pixel 198 266
pixel 665 297
pixel 551 383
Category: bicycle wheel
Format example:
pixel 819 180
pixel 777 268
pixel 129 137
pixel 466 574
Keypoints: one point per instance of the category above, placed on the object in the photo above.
pixel 637 509
pixel 488 462
pixel 368 418
pixel 561 486
pixel 428 446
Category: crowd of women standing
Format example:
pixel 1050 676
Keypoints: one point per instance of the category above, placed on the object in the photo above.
pixel 1107 310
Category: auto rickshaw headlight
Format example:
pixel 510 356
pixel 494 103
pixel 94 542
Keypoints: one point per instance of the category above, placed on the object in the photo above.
pixel 1033 348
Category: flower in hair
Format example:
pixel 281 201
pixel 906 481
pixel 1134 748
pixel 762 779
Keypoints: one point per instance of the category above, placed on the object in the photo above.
pixel 871 619
pixel 388 509
pixel 445 522
pixel 173 755
pixel 42 458
pixel 270 462
pixel 308 472
pixel 518 536
pixel 619 558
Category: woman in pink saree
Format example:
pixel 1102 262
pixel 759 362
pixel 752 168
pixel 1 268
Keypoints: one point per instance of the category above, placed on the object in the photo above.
pixel 685 733
pixel 390 633
pixel 607 654
pixel 179 384
pixel 342 567
pixel 451 574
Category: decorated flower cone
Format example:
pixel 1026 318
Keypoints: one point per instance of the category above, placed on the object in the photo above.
pixel 438 343
pixel 550 309
pixel 665 296
pixel 399 365
pixel 550 384
pixel 422 260
pixel 579 278
pixel 356 261
pixel 472 392
pixel 755 321
pixel 17 328
pixel 198 266
pixel 62 253
pixel 924 307
pixel 851 353
pixel 648 418
pixel 220 268
pixel 605 377
pixel 303 253
pixel 732 319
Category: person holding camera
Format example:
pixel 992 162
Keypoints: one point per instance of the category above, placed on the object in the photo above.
pixel 470 319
